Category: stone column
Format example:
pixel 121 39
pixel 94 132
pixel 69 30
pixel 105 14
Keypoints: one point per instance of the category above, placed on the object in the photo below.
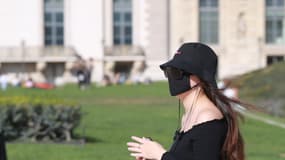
pixel 137 71
pixel 67 76
pixel 109 69
pixel 40 66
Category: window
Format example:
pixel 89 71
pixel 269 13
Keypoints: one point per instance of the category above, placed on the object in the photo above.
pixel 274 59
pixel 54 22
pixel 208 21
pixel 275 22
pixel 122 22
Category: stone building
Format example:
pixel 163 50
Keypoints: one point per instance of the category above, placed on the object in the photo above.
pixel 43 39
pixel 246 34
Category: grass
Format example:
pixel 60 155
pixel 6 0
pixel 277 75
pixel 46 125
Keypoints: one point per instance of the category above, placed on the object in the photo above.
pixel 113 114
pixel 265 88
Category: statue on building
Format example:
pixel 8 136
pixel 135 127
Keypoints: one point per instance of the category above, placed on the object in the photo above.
pixel 241 26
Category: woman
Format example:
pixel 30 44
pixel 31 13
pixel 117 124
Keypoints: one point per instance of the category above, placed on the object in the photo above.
pixel 209 127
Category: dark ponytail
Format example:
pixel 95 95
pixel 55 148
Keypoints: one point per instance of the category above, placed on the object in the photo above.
pixel 233 148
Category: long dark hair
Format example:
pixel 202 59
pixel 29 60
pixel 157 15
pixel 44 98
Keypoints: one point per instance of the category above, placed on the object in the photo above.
pixel 233 148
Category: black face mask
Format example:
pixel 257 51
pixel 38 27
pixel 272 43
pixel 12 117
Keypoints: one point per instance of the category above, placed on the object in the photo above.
pixel 178 80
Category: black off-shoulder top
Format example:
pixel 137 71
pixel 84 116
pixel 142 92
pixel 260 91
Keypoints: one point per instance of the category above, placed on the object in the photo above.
pixel 202 142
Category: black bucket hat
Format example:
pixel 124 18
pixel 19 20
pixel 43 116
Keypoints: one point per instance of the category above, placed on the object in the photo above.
pixel 195 58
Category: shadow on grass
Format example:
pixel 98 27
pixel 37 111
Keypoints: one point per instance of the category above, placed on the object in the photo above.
pixel 88 139
pixel 77 140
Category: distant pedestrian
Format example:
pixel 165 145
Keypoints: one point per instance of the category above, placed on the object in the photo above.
pixel 228 89
pixel 82 78
pixel 16 82
pixel 106 81
pixel 4 82
pixel 29 83
pixel 89 70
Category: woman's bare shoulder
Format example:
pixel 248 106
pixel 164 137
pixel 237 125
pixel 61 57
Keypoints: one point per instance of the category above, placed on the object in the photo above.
pixel 208 114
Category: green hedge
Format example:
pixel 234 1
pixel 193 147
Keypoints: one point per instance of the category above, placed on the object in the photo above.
pixel 38 118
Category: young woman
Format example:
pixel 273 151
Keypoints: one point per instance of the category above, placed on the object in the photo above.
pixel 209 127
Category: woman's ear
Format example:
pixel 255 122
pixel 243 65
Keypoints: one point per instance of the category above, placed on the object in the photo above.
pixel 193 80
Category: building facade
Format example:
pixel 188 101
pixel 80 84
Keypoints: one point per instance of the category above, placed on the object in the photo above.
pixel 246 34
pixel 136 37
pixel 43 39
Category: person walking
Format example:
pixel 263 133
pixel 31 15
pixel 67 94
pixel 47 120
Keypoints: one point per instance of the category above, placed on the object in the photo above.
pixel 3 81
pixel 209 128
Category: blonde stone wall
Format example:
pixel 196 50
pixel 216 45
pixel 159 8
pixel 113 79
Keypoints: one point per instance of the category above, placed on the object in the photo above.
pixel 21 22
pixel 88 29
pixel 241 33
pixel 84 31
pixel 156 29
pixel 155 34
pixel 184 20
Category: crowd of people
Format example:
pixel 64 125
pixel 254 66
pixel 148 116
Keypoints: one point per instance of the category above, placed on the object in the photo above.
pixel 124 78
pixel 16 81
pixel 82 70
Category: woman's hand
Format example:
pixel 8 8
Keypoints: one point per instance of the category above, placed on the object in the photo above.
pixel 144 148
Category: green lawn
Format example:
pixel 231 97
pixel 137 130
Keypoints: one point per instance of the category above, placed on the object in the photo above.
pixel 265 87
pixel 113 114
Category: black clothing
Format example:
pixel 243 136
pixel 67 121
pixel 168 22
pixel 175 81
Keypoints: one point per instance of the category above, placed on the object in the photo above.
pixel 2 148
pixel 203 142
pixel 178 86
